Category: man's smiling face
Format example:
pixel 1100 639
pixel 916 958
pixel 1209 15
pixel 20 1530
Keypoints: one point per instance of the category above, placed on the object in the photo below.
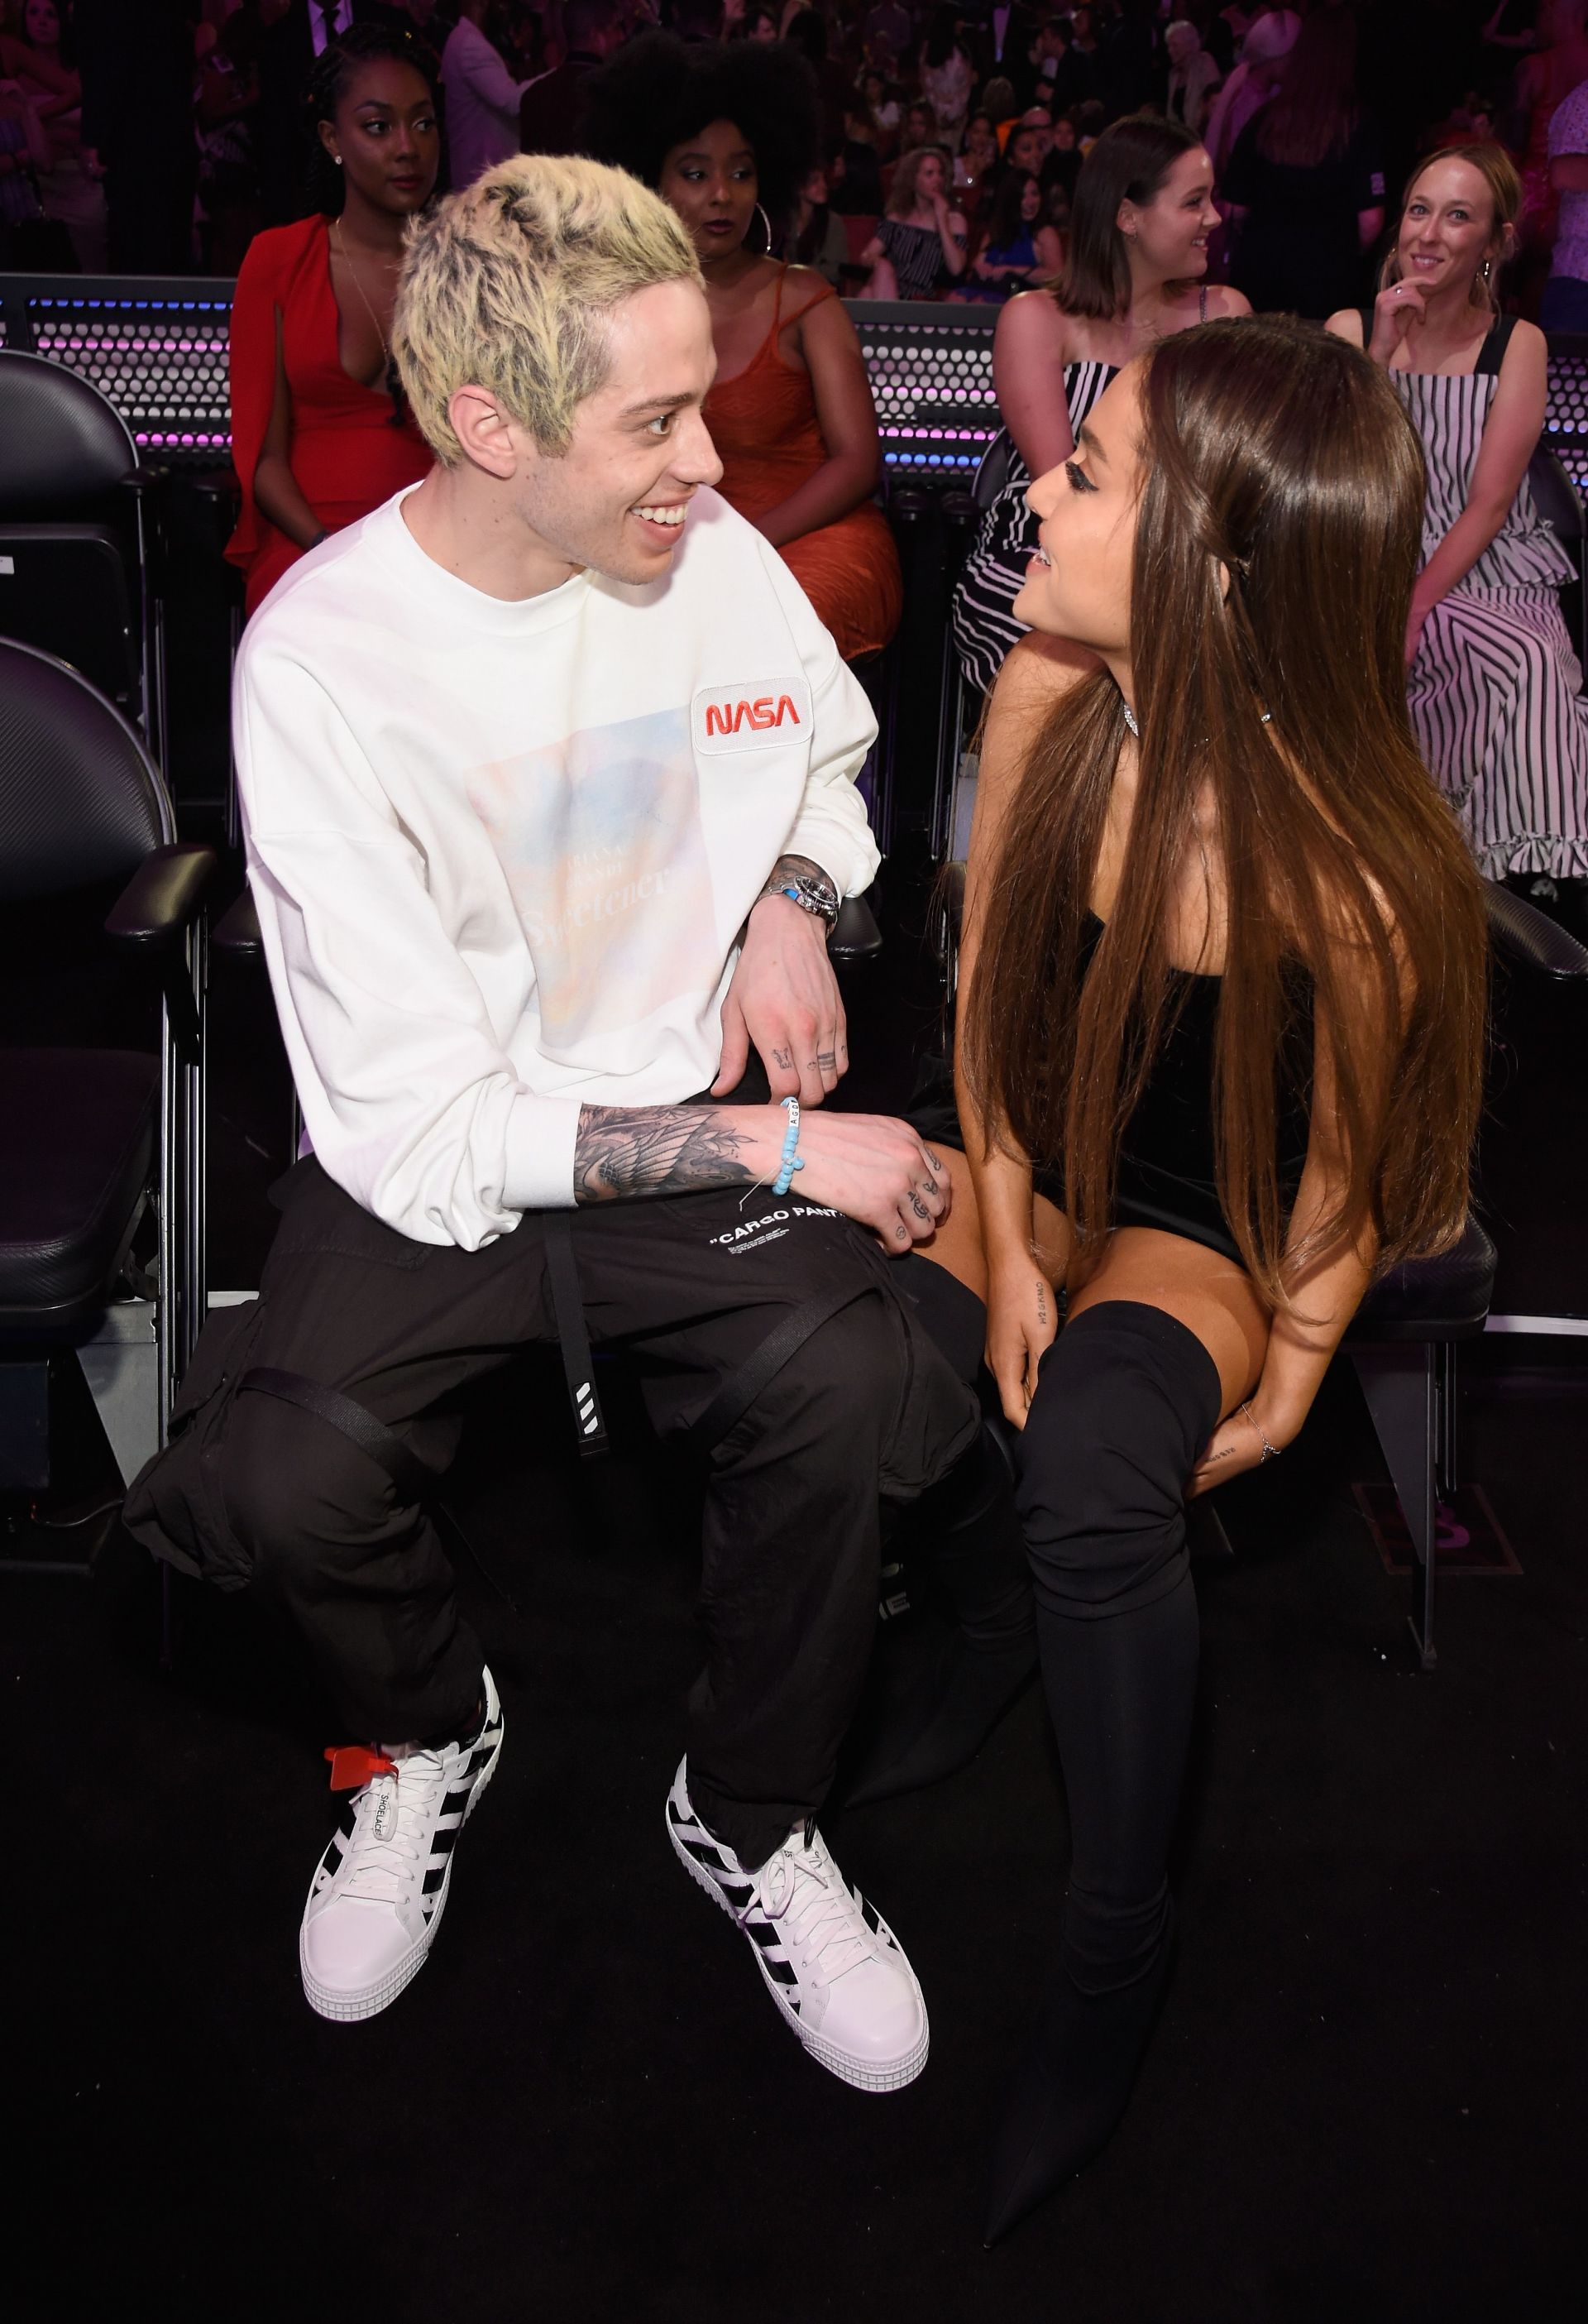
pixel 615 501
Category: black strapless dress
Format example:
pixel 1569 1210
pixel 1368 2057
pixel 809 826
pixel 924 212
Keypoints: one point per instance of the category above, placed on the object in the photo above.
pixel 1167 1174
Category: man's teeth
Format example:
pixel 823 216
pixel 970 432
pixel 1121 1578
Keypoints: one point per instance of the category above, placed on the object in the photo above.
pixel 664 515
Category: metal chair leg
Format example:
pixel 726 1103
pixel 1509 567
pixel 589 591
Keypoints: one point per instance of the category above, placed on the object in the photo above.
pixel 1399 1382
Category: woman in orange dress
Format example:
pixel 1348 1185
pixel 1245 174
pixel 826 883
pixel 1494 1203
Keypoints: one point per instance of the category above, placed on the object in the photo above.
pixel 726 135
pixel 320 435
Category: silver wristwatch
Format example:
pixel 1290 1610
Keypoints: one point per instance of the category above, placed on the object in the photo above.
pixel 813 892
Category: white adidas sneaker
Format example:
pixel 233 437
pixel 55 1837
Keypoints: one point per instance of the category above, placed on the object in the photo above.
pixel 830 1961
pixel 380 1889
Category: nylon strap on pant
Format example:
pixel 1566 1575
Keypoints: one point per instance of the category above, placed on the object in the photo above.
pixel 567 1301
pixel 740 1390
pixel 383 1445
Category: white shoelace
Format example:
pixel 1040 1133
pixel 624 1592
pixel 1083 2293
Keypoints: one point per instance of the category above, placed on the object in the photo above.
pixel 799 1888
pixel 386 1864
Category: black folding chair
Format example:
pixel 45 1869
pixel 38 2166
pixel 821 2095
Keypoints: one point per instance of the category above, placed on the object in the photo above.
pixel 101 1130
pixel 78 538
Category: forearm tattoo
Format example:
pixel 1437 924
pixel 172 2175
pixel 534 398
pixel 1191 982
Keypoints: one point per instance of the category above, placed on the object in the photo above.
pixel 624 1150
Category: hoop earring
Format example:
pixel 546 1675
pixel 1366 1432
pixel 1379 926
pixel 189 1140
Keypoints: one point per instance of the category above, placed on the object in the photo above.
pixel 766 223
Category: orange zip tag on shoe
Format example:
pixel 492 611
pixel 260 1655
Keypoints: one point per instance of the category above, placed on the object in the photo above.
pixel 352 1765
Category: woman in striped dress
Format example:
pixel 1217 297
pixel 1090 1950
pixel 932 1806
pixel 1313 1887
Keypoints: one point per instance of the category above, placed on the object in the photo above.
pixel 1494 686
pixel 1138 251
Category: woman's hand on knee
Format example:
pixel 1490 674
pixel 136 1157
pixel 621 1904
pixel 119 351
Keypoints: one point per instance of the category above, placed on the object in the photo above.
pixel 1023 1322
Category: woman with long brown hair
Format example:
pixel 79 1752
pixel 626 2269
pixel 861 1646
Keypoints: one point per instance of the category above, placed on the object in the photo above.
pixel 1136 271
pixel 1220 1039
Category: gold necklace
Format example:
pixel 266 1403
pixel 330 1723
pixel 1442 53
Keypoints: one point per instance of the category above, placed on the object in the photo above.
pixel 393 386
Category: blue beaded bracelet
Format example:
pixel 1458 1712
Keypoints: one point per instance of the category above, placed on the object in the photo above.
pixel 791 1161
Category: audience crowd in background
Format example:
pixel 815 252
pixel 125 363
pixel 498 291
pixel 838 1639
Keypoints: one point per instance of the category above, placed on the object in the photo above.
pixel 1105 173
pixel 159 136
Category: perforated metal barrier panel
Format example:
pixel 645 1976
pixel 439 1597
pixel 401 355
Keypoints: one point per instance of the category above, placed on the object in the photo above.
pixel 157 350
pixel 932 377
pixel 1565 419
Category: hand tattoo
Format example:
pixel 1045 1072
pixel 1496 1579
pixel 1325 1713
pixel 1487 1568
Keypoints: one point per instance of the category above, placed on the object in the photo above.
pixel 827 1061
pixel 919 1207
pixel 1041 1301
pixel 784 1058
pixel 623 1150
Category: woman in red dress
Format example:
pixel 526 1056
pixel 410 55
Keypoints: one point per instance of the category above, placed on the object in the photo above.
pixel 320 435
pixel 727 136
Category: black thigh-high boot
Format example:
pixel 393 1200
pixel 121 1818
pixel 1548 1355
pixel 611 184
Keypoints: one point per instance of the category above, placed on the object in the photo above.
pixel 968 1529
pixel 1127 1400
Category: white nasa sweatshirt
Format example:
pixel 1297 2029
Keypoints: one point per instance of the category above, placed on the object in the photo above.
pixel 502 853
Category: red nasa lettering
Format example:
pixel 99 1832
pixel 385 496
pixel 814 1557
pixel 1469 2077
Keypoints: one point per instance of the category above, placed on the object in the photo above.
pixel 758 715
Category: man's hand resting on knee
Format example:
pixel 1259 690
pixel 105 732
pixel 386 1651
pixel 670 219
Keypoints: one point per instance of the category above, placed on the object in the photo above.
pixel 874 1169
pixel 785 998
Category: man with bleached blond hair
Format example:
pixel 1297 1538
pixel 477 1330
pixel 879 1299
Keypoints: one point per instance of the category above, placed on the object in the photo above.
pixel 547 773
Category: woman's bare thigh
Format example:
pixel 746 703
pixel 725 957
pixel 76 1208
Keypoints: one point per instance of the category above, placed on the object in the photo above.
pixel 1210 1294
pixel 957 1244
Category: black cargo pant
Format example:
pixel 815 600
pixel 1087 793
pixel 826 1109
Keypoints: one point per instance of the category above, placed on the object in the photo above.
pixel 866 1410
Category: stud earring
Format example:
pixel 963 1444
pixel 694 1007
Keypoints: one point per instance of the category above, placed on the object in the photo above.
pixel 1488 269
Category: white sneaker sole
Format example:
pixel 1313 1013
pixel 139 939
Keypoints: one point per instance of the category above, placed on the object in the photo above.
pixel 368 2001
pixel 893 2076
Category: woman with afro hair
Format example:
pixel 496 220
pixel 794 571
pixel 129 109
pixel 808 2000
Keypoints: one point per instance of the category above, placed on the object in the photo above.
pixel 726 135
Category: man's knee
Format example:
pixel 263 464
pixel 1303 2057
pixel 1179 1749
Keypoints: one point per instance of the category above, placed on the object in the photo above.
pixel 848 1378
pixel 1126 1399
pixel 298 1494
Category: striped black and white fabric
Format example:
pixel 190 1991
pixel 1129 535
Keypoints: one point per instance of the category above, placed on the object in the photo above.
pixel 995 570
pixel 1496 691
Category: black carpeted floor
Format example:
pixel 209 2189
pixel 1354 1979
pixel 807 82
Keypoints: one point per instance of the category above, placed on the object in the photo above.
pixel 1366 2098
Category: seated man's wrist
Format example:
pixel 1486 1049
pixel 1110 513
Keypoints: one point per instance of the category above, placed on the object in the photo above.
pixel 805 885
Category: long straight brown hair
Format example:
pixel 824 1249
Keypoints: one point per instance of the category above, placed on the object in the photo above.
pixel 1281 457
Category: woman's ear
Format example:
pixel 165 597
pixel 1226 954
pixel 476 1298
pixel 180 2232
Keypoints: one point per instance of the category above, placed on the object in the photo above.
pixel 326 132
pixel 1126 220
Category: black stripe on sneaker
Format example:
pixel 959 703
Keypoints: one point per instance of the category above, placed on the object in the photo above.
pixel 445 1840
pixel 706 1852
pixel 783 1970
pixel 869 1914
pixel 433 1878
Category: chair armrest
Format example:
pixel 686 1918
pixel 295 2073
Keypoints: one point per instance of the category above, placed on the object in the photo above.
pixel 1525 934
pixel 160 901
pixel 855 934
pixel 235 935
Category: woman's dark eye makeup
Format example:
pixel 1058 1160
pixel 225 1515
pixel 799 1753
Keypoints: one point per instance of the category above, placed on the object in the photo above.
pixel 1080 482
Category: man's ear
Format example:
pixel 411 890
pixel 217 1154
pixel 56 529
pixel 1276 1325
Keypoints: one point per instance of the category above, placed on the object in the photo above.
pixel 488 438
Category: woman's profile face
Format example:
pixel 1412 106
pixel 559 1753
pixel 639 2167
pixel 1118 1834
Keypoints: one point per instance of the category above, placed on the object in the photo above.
pixel 1078 586
pixel 387 136
pixel 1171 231
pixel 710 181
pixel 1447 228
